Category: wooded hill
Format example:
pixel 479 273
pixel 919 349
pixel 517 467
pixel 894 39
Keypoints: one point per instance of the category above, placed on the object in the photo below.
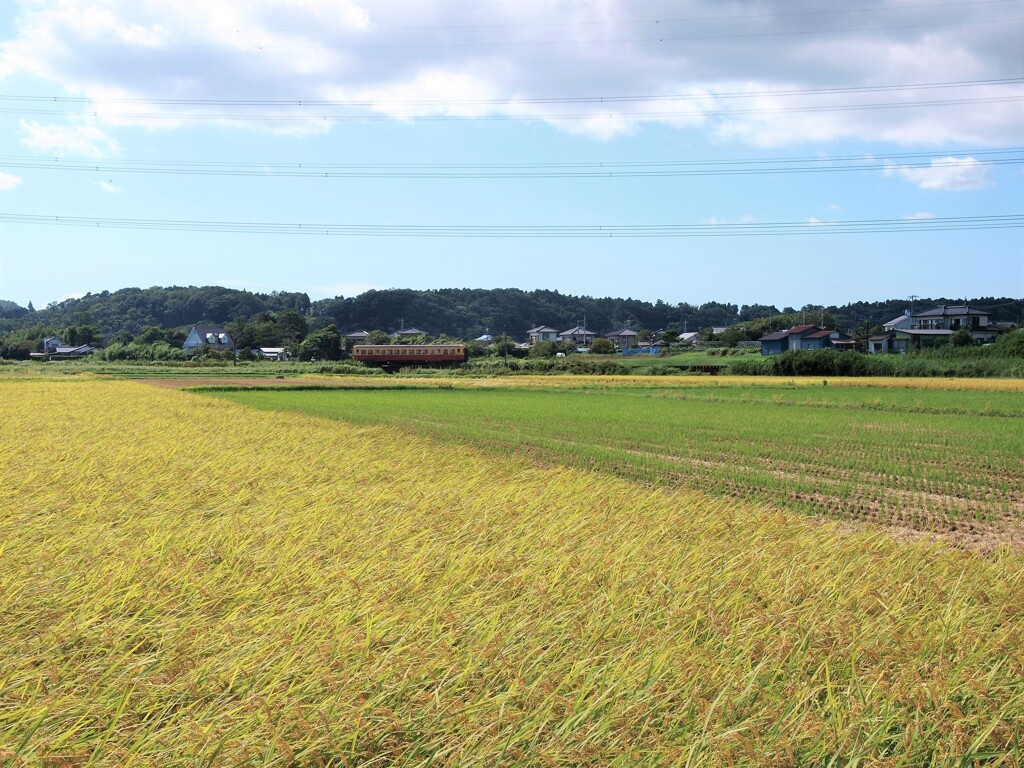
pixel 457 312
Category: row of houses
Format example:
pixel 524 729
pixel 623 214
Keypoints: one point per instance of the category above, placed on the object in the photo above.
pixel 909 331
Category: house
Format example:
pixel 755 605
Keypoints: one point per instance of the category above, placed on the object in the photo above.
pixel 977 321
pixel 50 343
pixel 806 337
pixel 271 353
pixel 689 337
pixel 624 339
pixel 781 341
pixel 359 337
pixel 887 343
pixel 951 318
pixel 486 339
pixel 63 352
pixel 542 333
pixel 578 335
pixel 902 323
pixel 207 337
pixel 819 339
pixel 921 330
pixel 408 333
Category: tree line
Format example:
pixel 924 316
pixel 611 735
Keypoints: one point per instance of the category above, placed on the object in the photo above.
pixel 164 315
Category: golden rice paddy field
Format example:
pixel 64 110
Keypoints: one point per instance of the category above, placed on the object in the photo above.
pixel 188 581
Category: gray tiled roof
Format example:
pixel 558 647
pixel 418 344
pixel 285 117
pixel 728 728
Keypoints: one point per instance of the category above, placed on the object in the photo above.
pixel 579 330
pixel 946 311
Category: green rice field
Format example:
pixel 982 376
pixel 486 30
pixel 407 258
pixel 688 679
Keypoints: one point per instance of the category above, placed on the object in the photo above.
pixel 938 460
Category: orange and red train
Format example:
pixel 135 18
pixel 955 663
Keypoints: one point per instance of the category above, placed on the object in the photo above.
pixel 391 357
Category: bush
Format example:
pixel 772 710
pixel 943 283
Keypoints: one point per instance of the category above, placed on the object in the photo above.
pixel 949 361
pixel 1010 344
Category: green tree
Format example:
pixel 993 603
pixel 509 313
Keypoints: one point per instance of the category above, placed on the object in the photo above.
pixel 543 349
pixel 862 333
pixel 379 337
pixel 602 346
pixel 732 336
pixel 962 338
pixel 670 335
pixel 324 344
pixel 1011 344
pixel 503 345
pixel 76 335
pixel 473 348
pixel 152 334
pixel 292 327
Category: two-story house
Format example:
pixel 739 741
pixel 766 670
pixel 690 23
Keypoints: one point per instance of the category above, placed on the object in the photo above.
pixel 578 335
pixel 933 326
pixel 209 337
pixel 542 333
pixel 623 339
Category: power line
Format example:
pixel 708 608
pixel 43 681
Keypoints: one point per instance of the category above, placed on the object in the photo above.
pixel 320 118
pixel 630 231
pixel 617 169
pixel 634 22
pixel 608 99
pixel 449 44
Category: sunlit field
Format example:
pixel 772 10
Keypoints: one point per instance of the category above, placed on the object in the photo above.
pixel 192 581
pixel 929 459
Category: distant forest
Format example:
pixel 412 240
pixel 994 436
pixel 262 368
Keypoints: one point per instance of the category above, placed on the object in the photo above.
pixel 464 313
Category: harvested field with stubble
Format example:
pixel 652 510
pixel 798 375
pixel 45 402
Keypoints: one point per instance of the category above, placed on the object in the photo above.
pixel 190 581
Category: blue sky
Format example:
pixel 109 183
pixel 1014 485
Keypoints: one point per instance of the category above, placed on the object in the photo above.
pixel 603 115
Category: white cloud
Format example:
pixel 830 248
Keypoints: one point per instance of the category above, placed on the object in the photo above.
pixel 919 216
pixel 733 67
pixel 68 140
pixel 946 173
pixel 108 186
pixel 8 181
pixel 747 218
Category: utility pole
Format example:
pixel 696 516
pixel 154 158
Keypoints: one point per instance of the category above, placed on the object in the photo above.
pixel 912 297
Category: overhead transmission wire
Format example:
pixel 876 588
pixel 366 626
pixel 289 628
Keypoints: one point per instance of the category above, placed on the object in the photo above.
pixel 515 118
pixel 498 231
pixel 540 170
pixel 600 99
pixel 638 22
pixel 449 44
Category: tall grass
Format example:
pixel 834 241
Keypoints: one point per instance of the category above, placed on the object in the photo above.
pixel 189 582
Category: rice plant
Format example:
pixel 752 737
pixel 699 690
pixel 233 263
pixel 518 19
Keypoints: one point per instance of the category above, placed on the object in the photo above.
pixel 188 581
